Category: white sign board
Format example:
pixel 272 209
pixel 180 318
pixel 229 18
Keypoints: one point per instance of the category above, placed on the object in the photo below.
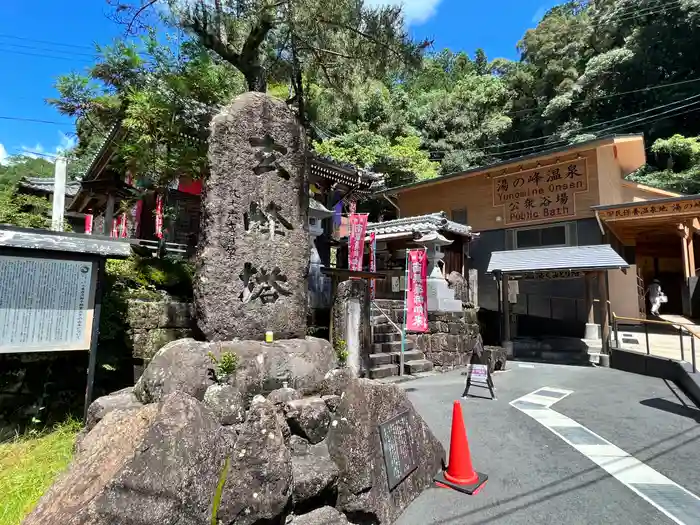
pixel 478 373
pixel 45 304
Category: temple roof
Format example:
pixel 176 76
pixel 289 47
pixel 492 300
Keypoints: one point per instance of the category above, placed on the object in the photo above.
pixel 45 185
pixel 420 224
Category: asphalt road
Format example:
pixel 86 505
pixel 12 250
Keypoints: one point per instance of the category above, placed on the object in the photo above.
pixel 537 478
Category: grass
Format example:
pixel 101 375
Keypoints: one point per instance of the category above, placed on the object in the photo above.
pixel 28 466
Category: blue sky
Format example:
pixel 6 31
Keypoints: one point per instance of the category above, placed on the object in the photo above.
pixel 31 66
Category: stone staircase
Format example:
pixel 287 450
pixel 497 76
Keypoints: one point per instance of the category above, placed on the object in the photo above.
pixel 385 359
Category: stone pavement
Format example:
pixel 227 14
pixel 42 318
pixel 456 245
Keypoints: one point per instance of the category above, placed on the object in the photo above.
pixel 534 475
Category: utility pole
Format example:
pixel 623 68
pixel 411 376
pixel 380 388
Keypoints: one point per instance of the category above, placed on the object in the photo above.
pixel 59 194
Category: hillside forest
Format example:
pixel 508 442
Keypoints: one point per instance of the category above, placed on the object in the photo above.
pixel 371 95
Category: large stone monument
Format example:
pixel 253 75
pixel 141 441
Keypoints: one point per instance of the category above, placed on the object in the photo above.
pixel 254 244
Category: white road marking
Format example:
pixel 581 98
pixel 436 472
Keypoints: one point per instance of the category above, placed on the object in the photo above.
pixel 674 501
pixel 525 365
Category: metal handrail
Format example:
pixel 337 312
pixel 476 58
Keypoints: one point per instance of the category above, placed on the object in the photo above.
pixel 646 322
pixel 395 326
pixel 392 323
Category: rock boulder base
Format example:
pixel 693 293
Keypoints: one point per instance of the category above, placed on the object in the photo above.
pixel 159 464
pixel 355 446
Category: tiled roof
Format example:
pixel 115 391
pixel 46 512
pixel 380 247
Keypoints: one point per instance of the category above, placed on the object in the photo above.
pixel 46 185
pixel 318 207
pixel 420 224
pixel 576 258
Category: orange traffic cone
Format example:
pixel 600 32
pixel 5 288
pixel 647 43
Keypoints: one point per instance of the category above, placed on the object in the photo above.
pixel 460 474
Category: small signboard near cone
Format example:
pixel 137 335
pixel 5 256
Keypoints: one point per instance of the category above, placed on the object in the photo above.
pixel 479 375
pixel 460 474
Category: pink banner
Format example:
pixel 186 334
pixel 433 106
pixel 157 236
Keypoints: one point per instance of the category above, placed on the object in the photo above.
pixel 88 223
pixel 159 216
pixel 352 207
pixel 372 264
pixel 115 232
pixel 356 245
pixel 417 293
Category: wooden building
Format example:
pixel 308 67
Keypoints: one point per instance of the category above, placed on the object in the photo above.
pixel 565 197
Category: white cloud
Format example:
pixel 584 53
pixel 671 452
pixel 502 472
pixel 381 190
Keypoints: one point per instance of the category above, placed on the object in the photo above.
pixel 65 143
pixel 415 11
pixel 3 155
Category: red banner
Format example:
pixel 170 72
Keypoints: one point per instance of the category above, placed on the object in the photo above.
pixel 123 226
pixel 88 223
pixel 356 246
pixel 352 207
pixel 417 292
pixel 159 216
pixel 372 264
pixel 114 233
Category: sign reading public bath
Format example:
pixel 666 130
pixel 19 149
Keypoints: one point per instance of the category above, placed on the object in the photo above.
pixel 542 193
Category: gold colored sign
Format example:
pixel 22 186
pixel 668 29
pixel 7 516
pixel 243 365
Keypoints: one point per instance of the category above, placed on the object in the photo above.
pixel 648 209
pixel 542 193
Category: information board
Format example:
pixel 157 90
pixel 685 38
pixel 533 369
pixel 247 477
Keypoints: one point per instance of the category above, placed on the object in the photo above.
pixel 398 447
pixel 45 304
pixel 478 373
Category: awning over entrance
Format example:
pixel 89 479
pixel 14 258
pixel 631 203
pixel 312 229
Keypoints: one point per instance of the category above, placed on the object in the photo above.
pixel 566 261
pixel 649 221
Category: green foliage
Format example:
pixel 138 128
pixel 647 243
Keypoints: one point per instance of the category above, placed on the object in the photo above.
pixel 29 464
pixel 674 166
pixel 219 491
pixel 27 211
pixel 341 351
pixel 402 160
pixel 226 365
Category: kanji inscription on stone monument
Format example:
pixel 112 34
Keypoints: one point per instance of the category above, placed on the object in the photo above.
pixel 254 250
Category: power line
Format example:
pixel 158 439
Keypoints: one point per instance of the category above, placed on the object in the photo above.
pixel 585 128
pixel 35 48
pixel 41 55
pixel 650 118
pixel 613 95
pixel 39 121
pixel 50 42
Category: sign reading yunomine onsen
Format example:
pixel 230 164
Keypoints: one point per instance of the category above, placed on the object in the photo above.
pixel 45 304
pixel 542 193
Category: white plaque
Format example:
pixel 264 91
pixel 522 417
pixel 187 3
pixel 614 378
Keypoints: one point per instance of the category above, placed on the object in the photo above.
pixel 395 284
pixel 45 304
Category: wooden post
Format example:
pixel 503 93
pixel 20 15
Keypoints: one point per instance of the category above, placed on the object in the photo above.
pixel 604 321
pixel 691 254
pixel 506 308
pixel 109 215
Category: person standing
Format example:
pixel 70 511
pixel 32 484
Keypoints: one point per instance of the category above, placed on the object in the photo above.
pixel 656 296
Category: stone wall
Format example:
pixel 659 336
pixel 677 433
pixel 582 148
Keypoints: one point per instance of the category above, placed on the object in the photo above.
pixel 453 339
pixel 151 325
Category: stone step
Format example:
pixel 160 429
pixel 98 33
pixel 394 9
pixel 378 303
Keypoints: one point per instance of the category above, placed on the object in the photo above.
pixel 380 359
pixel 386 337
pixel 393 346
pixel 379 372
pixel 384 328
pixel 387 358
pixel 419 365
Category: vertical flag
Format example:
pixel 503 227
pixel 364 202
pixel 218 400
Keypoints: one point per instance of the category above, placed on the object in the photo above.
pixel 159 216
pixel 114 233
pixel 372 264
pixel 88 223
pixel 353 207
pixel 123 230
pixel 417 293
pixel 356 245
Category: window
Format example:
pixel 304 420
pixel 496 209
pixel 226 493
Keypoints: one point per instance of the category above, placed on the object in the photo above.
pixel 460 216
pixel 542 237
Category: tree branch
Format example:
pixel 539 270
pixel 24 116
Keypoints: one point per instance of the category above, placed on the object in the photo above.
pixel 138 12
pixel 362 34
